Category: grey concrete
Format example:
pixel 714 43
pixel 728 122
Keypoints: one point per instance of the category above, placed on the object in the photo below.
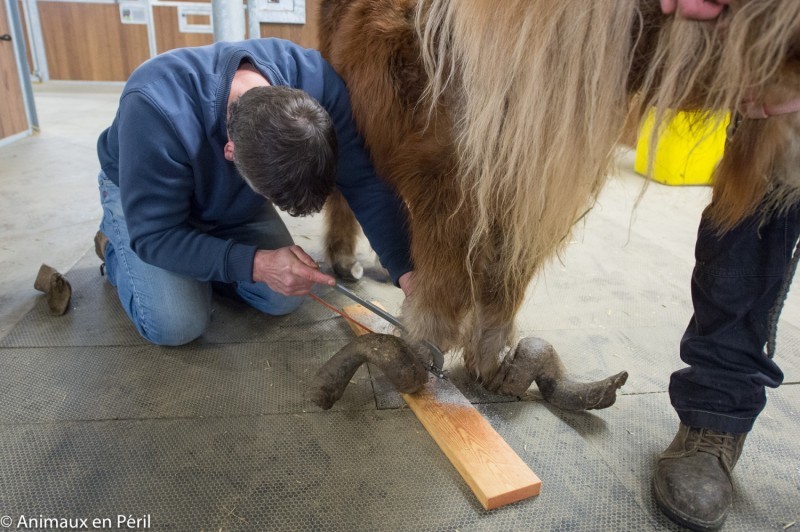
pixel 218 435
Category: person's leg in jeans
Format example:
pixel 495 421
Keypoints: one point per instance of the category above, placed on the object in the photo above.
pixel 266 231
pixel 736 283
pixel 166 308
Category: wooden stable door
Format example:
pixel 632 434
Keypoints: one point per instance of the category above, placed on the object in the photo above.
pixel 85 41
pixel 13 117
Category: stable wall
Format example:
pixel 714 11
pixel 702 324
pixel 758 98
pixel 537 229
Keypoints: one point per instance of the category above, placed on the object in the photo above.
pixel 87 41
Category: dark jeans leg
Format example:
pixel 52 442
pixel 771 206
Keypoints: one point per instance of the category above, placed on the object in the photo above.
pixel 736 282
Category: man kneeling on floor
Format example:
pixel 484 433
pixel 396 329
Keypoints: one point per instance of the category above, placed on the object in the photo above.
pixel 206 140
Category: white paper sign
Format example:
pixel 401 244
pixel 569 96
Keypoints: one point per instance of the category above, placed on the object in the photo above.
pixel 281 11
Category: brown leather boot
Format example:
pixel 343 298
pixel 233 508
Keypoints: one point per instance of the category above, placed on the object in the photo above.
pixel 693 484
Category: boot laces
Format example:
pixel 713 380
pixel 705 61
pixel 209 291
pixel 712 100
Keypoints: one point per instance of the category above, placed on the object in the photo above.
pixel 720 444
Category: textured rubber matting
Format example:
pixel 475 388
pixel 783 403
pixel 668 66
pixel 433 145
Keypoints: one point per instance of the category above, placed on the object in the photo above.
pixel 96 318
pixel 630 436
pixel 217 435
pixel 372 471
pixel 318 471
pixel 72 383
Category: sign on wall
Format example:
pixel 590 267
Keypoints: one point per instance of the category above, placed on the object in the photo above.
pixel 280 11
pixel 133 13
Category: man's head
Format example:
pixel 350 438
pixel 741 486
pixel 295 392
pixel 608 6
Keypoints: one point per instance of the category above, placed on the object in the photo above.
pixel 284 145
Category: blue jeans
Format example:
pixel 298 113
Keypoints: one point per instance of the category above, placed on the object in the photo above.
pixel 735 284
pixel 170 309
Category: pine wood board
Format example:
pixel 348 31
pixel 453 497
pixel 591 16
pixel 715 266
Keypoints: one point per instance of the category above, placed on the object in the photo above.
pixel 490 467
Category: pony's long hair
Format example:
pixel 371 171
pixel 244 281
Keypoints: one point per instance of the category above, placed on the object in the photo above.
pixel 749 53
pixel 538 102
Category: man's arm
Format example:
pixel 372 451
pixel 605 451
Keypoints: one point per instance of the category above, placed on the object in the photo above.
pixel 379 210
pixel 157 185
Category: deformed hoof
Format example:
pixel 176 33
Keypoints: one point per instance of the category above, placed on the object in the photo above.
pixel 389 353
pixel 570 395
pixel 515 375
pixel 536 360
pixel 57 288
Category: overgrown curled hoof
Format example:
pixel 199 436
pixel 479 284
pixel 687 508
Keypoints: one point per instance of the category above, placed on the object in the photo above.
pixel 391 354
pixel 57 288
pixel 571 395
pixel 537 360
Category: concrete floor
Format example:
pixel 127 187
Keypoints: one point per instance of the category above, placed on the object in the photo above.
pixel 225 440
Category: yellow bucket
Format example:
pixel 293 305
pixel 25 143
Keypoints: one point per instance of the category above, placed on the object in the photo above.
pixel 688 149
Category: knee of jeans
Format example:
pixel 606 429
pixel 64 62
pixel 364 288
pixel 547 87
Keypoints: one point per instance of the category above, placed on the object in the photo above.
pixel 175 329
pixel 282 305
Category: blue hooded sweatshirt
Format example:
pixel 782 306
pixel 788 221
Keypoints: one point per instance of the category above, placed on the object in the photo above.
pixel 165 150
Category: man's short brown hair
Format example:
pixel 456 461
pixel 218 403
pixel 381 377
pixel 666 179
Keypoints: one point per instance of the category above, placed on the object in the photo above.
pixel 285 147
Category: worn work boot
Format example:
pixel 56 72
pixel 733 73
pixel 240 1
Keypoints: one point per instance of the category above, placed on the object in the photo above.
pixel 693 484
pixel 100 242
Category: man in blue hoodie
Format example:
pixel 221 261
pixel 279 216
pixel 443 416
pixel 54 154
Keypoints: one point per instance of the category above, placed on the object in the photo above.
pixel 206 140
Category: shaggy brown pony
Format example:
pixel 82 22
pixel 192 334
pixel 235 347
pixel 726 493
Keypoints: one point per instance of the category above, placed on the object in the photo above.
pixel 496 123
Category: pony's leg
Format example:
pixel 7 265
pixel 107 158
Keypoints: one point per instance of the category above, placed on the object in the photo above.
pixel 434 311
pixel 341 236
pixel 488 346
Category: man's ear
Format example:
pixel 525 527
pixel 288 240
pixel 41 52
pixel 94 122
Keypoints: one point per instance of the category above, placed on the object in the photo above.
pixel 229 150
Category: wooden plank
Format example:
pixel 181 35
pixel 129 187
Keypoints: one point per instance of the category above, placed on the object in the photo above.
pixel 368 318
pixel 494 472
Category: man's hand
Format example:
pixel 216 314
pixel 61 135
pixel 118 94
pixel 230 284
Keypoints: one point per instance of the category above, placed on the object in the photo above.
pixel 289 271
pixel 694 9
